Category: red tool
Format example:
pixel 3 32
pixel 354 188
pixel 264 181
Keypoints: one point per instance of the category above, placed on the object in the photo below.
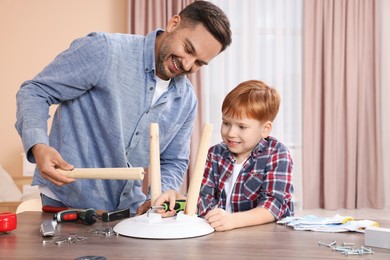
pixel 66 215
pixel 52 209
pixel 7 222
pixel 105 215
pixel 87 216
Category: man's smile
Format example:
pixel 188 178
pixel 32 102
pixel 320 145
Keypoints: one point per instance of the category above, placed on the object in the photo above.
pixel 176 65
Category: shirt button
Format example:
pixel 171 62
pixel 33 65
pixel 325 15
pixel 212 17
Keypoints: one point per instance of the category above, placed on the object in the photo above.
pixel 151 88
pixel 147 112
pixel 125 194
pixel 136 133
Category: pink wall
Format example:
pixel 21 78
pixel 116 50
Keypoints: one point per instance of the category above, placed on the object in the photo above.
pixel 32 34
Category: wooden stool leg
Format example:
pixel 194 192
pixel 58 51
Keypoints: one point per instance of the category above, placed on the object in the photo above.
pixel 197 175
pixel 154 169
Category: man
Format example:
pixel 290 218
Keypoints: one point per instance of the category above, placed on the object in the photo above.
pixel 109 88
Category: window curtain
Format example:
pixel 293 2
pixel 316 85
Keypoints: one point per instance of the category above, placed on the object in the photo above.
pixel 341 118
pixel 267 45
pixel 145 16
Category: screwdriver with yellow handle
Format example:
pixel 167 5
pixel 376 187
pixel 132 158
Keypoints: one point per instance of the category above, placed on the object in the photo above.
pixel 179 206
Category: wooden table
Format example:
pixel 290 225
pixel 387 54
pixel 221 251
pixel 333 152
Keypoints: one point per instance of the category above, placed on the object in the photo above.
pixel 270 241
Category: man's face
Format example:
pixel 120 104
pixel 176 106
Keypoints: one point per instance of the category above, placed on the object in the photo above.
pixel 185 50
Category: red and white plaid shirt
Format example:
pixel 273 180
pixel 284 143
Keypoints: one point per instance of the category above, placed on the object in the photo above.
pixel 264 181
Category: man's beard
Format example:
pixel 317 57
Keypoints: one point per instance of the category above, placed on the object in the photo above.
pixel 162 70
pixel 163 55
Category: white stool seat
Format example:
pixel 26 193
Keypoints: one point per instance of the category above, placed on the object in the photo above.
pixel 30 205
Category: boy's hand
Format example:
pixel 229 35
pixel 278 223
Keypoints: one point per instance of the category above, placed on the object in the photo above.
pixel 220 219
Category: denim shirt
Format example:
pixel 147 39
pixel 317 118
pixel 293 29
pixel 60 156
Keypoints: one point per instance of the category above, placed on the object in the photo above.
pixel 104 84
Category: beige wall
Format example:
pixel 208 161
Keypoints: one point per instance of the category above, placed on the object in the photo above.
pixel 33 32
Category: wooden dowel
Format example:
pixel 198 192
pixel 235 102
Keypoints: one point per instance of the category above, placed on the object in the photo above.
pixel 154 169
pixel 105 173
pixel 197 175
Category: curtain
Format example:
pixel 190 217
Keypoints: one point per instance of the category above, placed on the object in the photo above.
pixel 267 45
pixel 145 16
pixel 341 119
pixel 383 7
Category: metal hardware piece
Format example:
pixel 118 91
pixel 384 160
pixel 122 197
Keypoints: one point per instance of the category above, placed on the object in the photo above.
pixel 327 245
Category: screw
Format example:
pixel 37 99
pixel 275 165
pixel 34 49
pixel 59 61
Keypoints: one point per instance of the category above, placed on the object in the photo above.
pixel 327 245
pixel 341 248
pixel 352 252
pixel 368 250
pixel 323 244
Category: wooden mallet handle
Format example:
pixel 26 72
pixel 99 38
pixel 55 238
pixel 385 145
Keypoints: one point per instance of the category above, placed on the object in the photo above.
pixel 105 173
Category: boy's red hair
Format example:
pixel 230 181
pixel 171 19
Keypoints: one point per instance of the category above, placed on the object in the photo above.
pixel 252 99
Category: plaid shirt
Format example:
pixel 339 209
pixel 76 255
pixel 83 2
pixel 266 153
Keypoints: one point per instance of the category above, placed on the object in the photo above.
pixel 264 180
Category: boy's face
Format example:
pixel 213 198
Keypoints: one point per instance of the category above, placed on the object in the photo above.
pixel 242 135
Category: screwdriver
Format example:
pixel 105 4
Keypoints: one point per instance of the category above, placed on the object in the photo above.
pixel 179 206
pixel 66 215
pixel 87 216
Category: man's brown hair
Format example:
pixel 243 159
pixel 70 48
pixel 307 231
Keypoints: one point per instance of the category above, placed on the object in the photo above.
pixel 212 17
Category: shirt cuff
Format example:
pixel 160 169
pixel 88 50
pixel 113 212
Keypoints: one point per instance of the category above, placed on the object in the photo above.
pixel 32 137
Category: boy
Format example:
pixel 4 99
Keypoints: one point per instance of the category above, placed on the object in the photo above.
pixel 247 180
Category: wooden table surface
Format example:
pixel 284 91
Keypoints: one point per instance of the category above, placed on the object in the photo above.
pixel 270 241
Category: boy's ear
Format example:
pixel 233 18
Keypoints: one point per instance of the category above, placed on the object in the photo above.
pixel 173 23
pixel 267 127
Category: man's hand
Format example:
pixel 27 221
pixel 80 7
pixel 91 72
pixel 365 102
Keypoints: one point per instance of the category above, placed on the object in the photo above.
pixel 220 219
pixel 143 208
pixel 169 196
pixel 48 160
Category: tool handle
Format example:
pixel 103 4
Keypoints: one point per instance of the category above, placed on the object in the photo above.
pixel 105 173
pixel 53 209
pixel 115 215
pixel 179 205
pixel 66 215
